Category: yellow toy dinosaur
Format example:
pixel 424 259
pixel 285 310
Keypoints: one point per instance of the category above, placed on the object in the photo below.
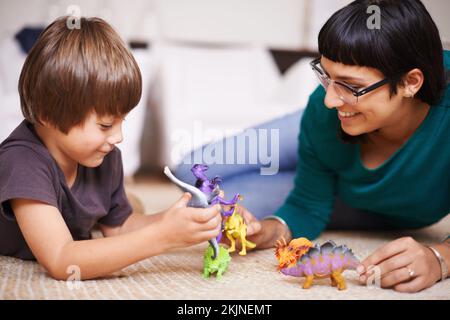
pixel 235 228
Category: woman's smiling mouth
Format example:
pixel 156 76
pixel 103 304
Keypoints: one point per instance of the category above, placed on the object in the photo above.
pixel 346 117
pixel 348 114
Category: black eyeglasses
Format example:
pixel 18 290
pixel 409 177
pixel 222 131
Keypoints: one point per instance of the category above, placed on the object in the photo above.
pixel 346 92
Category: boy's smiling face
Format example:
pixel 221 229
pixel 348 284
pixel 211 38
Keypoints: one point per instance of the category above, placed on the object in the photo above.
pixel 89 143
pixel 95 139
pixel 86 144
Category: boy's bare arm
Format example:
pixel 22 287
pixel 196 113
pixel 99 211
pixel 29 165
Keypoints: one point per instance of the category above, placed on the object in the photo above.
pixel 134 222
pixel 50 241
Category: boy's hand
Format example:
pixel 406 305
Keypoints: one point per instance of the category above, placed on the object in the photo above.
pixel 188 226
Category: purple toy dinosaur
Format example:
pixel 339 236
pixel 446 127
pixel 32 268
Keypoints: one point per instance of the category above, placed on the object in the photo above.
pixel 323 261
pixel 212 190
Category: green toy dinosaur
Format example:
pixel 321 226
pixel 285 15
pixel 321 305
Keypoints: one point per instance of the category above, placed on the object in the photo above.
pixel 218 265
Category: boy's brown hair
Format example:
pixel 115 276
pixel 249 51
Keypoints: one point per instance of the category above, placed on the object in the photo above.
pixel 72 72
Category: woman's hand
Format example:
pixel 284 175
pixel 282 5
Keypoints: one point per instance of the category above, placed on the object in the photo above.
pixel 253 225
pixel 404 265
pixel 271 230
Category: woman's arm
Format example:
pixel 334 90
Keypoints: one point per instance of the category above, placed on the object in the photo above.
pixel 444 250
pixel 309 205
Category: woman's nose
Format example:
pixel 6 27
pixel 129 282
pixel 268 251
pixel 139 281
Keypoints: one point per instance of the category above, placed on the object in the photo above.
pixel 332 99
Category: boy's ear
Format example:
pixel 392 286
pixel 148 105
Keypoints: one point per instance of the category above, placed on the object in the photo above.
pixel 43 123
pixel 412 83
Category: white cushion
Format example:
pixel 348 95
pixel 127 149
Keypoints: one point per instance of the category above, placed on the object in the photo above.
pixel 11 61
pixel 296 86
pixel 134 124
pixel 204 93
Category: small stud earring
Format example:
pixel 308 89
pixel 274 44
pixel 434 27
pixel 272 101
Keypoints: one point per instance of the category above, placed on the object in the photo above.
pixel 410 94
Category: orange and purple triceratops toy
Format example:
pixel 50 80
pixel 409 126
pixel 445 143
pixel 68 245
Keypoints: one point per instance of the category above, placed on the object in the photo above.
pixel 300 258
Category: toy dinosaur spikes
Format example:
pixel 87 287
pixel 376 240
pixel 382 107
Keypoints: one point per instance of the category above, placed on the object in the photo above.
pixel 287 255
pixel 281 243
pixel 328 260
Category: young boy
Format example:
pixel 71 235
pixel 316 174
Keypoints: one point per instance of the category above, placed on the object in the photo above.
pixel 60 173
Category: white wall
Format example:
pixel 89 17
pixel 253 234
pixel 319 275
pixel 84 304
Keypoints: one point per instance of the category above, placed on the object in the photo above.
pixel 277 23
pixel 285 24
pixel 133 19
pixel 440 10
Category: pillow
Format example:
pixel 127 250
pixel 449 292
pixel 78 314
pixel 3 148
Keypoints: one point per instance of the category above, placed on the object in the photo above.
pixel 204 93
pixel 296 86
pixel 11 61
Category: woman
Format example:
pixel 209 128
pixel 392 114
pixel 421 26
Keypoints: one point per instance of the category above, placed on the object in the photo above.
pixel 374 144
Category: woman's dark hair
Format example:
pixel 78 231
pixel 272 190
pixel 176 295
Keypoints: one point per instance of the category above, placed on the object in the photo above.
pixel 407 39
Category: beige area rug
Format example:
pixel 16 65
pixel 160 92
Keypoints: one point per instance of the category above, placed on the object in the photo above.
pixel 177 275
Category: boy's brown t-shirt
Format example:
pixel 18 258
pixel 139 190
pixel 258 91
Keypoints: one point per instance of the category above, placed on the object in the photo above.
pixel 28 171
